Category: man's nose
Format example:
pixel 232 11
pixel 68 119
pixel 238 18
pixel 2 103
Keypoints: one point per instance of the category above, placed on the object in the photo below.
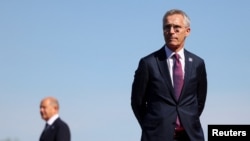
pixel 171 29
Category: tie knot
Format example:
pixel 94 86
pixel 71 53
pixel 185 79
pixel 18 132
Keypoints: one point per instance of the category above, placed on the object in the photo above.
pixel 176 56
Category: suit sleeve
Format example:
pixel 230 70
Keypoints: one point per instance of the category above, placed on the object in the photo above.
pixel 138 96
pixel 202 87
pixel 63 133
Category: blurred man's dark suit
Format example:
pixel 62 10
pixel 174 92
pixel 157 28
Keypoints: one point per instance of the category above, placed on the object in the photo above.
pixel 58 131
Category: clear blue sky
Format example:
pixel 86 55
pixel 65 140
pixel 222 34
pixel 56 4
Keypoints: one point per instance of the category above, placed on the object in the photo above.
pixel 85 54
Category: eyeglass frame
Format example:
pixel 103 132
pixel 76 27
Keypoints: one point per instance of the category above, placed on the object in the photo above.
pixel 177 28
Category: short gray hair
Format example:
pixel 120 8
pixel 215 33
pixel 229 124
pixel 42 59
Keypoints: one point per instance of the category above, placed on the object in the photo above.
pixel 177 11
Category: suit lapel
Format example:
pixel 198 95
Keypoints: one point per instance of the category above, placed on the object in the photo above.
pixel 162 63
pixel 188 71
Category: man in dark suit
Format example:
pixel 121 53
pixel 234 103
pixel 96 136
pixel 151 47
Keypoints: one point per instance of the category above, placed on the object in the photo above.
pixel 170 87
pixel 55 129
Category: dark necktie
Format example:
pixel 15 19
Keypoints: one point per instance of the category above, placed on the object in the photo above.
pixel 44 131
pixel 177 75
pixel 46 127
pixel 177 80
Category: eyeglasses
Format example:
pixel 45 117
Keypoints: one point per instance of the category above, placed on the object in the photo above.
pixel 177 28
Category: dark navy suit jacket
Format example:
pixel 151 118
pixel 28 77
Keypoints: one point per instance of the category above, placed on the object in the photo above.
pixel 154 103
pixel 58 131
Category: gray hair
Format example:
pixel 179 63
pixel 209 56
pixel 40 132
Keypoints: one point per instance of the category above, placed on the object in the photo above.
pixel 177 11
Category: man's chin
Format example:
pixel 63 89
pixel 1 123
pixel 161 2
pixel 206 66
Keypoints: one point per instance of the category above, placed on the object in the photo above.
pixel 172 47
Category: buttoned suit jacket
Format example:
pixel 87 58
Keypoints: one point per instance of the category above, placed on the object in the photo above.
pixel 154 103
pixel 58 131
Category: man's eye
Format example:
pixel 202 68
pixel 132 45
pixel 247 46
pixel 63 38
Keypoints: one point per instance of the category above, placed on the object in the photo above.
pixel 167 27
pixel 177 27
pixel 174 26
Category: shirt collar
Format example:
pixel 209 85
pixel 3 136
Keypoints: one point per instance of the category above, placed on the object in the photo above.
pixel 52 119
pixel 170 53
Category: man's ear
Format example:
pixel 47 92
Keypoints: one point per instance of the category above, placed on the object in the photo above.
pixel 188 30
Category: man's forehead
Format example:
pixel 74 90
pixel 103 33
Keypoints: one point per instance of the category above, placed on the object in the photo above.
pixel 174 16
pixel 175 20
pixel 45 102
